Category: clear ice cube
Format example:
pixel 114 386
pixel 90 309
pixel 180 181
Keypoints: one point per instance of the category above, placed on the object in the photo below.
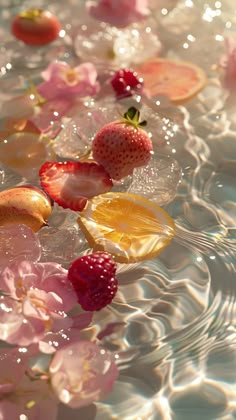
pixel 158 181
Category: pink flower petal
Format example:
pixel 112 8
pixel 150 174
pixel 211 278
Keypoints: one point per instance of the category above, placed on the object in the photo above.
pixel 54 70
pixel 48 116
pixel 228 65
pixel 39 295
pixel 62 81
pixel 119 13
pixel 12 367
pixel 81 373
pixel 14 328
pixel 33 399
pixel 53 341
pixel 82 320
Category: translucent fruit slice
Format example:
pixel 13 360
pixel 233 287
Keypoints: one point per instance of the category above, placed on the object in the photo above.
pixel 179 80
pixel 25 152
pixel 130 227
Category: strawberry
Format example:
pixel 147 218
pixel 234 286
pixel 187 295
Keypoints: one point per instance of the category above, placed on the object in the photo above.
pixel 70 184
pixel 93 279
pixel 121 146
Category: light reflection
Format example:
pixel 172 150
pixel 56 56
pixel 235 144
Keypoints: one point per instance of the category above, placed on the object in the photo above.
pixel 210 14
pixel 228 24
pixel 191 38
pixel 218 4
pixel 22 350
pixel 189 3
pixel 164 12
pixel 62 33
pixel 219 37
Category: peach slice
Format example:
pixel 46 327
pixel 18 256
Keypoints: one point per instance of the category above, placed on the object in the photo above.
pixel 26 205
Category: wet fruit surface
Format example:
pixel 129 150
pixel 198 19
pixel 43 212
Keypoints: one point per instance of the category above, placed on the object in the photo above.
pixel 128 226
pixel 179 80
pixel 36 27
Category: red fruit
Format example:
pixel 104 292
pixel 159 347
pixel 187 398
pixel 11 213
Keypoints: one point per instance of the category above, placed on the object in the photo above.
pixel 36 27
pixel 125 82
pixel 94 281
pixel 121 146
pixel 70 184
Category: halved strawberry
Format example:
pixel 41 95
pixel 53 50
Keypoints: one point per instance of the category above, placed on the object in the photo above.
pixel 70 184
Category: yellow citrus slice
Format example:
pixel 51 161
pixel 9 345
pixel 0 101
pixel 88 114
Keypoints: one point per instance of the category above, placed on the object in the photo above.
pixel 130 227
pixel 179 80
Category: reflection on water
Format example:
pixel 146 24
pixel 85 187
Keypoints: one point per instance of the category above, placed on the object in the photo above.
pixel 173 323
pixel 176 315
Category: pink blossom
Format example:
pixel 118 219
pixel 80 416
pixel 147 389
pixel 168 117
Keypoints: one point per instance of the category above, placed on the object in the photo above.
pixel 18 393
pixel 228 65
pixel 53 341
pixel 13 364
pixel 48 116
pixel 35 300
pixel 63 81
pixel 119 13
pixel 32 398
pixel 82 373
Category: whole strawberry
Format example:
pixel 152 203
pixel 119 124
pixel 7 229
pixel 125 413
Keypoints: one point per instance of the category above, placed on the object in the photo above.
pixel 123 145
pixel 94 281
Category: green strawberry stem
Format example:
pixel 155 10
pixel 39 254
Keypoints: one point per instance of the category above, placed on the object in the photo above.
pixel 31 14
pixel 132 117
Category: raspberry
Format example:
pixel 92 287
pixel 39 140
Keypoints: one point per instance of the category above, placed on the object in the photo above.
pixel 94 281
pixel 125 82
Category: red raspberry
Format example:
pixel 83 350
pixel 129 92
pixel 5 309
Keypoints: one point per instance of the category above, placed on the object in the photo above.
pixel 94 281
pixel 125 82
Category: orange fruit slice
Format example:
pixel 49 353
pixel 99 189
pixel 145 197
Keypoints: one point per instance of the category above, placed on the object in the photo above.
pixel 130 227
pixel 24 152
pixel 179 80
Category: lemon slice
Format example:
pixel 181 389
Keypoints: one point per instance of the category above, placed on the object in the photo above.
pixel 179 80
pixel 130 227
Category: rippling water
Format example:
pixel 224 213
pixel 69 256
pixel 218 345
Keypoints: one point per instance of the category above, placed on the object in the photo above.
pixel 175 317
pixel 173 323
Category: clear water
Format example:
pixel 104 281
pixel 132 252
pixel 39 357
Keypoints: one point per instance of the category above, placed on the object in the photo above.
pixel 173 322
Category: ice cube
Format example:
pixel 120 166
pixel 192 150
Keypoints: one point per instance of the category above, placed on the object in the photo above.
pixel 18 242
pixel 158 181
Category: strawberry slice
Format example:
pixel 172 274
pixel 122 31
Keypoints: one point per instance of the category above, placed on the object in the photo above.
pixel 70 184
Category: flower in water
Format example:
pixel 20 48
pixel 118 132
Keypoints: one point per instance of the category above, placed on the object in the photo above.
pixel 36 297
pixel 63 81
pixel 228 65
pixel 19 394
pixel 13 364
pixel 119 13
pixel 53 341
pixel 31 399
pixel 82 373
